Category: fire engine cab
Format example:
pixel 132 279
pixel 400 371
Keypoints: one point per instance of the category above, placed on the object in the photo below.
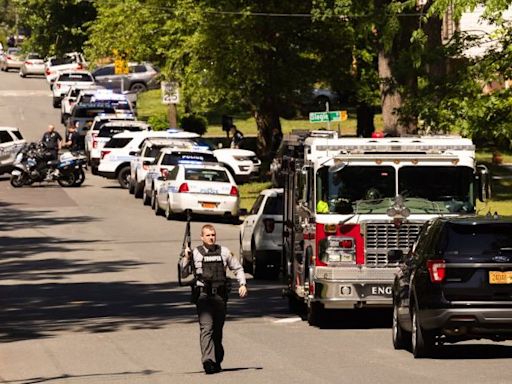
pixel 350 203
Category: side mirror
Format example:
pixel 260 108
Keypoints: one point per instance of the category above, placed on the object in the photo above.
pixel 395 255
pixel 243 212
pixel 483 182
pixel 146 162
pixel 134 153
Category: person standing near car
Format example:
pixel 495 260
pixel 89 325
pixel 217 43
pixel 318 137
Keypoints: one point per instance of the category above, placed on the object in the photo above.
pixel 72 139
pixel 237 137
pixel 53 142
pixel 208 262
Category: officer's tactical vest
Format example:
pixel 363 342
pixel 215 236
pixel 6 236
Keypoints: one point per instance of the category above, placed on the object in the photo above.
pixel 214 272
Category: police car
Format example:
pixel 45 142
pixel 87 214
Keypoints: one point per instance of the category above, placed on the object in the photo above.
pixel 120 150
pixel 11 141
pixel 207 189
pixel 165 162
pixel 149 150
pixel 261 241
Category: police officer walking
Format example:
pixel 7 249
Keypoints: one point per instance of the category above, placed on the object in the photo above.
pixel 210 293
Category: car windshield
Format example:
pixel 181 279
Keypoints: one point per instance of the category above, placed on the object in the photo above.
pixel 204 143
pixel 33 56
pixel 340 191
pixel 75 77
pixel 187 157
pixel 371 189
pixel 274 205
pixel 450 187
pixel 202 174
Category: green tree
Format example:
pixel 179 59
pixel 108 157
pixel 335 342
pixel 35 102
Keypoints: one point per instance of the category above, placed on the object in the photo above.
pixel 55 26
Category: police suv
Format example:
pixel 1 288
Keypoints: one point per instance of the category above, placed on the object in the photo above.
pixel 116 155
pixel 11 141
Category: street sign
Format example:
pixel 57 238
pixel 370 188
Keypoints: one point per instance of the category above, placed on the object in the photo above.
pixel 170 92
pixel 324 117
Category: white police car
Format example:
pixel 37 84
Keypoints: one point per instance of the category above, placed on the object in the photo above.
pixel 261 232
pixel 207 189
pixel 165 162
pixel 11 141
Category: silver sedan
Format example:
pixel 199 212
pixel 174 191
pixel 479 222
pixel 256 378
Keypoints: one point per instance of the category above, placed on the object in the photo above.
pixel 11 59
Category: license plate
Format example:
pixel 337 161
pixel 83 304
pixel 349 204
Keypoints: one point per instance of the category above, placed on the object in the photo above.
pixel 208 205
pixel 496 277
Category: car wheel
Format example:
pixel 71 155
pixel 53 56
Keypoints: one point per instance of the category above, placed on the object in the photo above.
pixel 94 170
pixel 56 102
pixel 131 189
pixel 168 213
pixel 315 314
pixel 422 341
pixel 146 199
pixel 124 177
pixel 138 87
pixel 153 200
pixel 65 119
pixel 22 74
pixel 139 187
pixel 158 210
pixel 401 340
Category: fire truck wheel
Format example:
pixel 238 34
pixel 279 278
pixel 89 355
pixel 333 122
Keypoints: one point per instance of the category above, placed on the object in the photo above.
pixel 295 306
pixel 315 314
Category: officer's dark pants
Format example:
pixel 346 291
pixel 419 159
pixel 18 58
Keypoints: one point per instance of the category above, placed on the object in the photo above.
pixel 212 313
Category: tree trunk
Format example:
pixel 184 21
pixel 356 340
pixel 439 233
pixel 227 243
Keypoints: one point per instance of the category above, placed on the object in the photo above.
pixel 390 98
pixel 267 119
pixel 365 116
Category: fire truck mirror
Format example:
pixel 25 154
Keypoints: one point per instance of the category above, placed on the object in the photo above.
pixel 337 167
pixel 484 182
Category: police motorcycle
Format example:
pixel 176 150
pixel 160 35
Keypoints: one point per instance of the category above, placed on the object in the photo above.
pixel 32 165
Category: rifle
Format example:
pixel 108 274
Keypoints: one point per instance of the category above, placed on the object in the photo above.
pixel 187 241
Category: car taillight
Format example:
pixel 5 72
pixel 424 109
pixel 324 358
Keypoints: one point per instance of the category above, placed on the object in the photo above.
pixel 183 188
pixel 436 270
pixel 94 143
pixel 104 153
pixel 47 71
pixel 234 191
pixel 28 62
pixel 9 57
pixel 269 225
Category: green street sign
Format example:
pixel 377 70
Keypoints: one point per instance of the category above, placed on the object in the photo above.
pixel 324 117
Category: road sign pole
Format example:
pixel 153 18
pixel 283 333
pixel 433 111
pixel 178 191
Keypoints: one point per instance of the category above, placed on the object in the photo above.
pixel 328 120
pixel 173 118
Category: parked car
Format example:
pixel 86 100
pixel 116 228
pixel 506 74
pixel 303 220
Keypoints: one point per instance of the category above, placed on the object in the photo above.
pixel 11 141
pixel 454 285
pixel 118 153
pixel 70 61
pixel 261 241
pixel 11 59
pixel 69 100
pixel 141 76
pixel 207 189
pixel 167 159
pixel 68 79
pixel 32 65
pixel 144 156
pixel 105 133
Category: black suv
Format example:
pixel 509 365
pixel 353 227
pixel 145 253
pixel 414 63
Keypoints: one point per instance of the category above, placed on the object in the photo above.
pixel 455 284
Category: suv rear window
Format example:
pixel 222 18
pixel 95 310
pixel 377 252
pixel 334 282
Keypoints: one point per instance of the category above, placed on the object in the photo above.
pixel 91 112
pixel 274 205
pixel 206 175
pixel 75 77
pixel 110 131
pixel 181 157
pixel 118 142
pixel 18 135
pixel 480 239
pixel 62 60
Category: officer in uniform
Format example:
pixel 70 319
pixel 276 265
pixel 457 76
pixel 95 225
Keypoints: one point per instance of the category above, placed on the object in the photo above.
pixel 210 293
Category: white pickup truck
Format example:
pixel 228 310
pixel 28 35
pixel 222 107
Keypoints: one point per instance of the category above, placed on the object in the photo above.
pixel 70 61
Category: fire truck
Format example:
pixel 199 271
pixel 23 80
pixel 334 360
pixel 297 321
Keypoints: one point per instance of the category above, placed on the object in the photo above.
pixel 350 203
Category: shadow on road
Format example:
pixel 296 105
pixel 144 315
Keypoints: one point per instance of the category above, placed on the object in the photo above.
pixel 474 352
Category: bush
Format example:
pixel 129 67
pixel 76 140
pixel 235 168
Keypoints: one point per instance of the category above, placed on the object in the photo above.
pixel 194 123
pixel 158 122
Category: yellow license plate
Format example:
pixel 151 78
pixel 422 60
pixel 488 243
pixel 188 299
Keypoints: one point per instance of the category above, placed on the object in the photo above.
pixel 209 205
pixel 496 277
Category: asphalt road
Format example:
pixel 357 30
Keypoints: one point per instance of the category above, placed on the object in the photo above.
pixel 88 294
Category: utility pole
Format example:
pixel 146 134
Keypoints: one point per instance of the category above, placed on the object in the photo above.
pixel 17 32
